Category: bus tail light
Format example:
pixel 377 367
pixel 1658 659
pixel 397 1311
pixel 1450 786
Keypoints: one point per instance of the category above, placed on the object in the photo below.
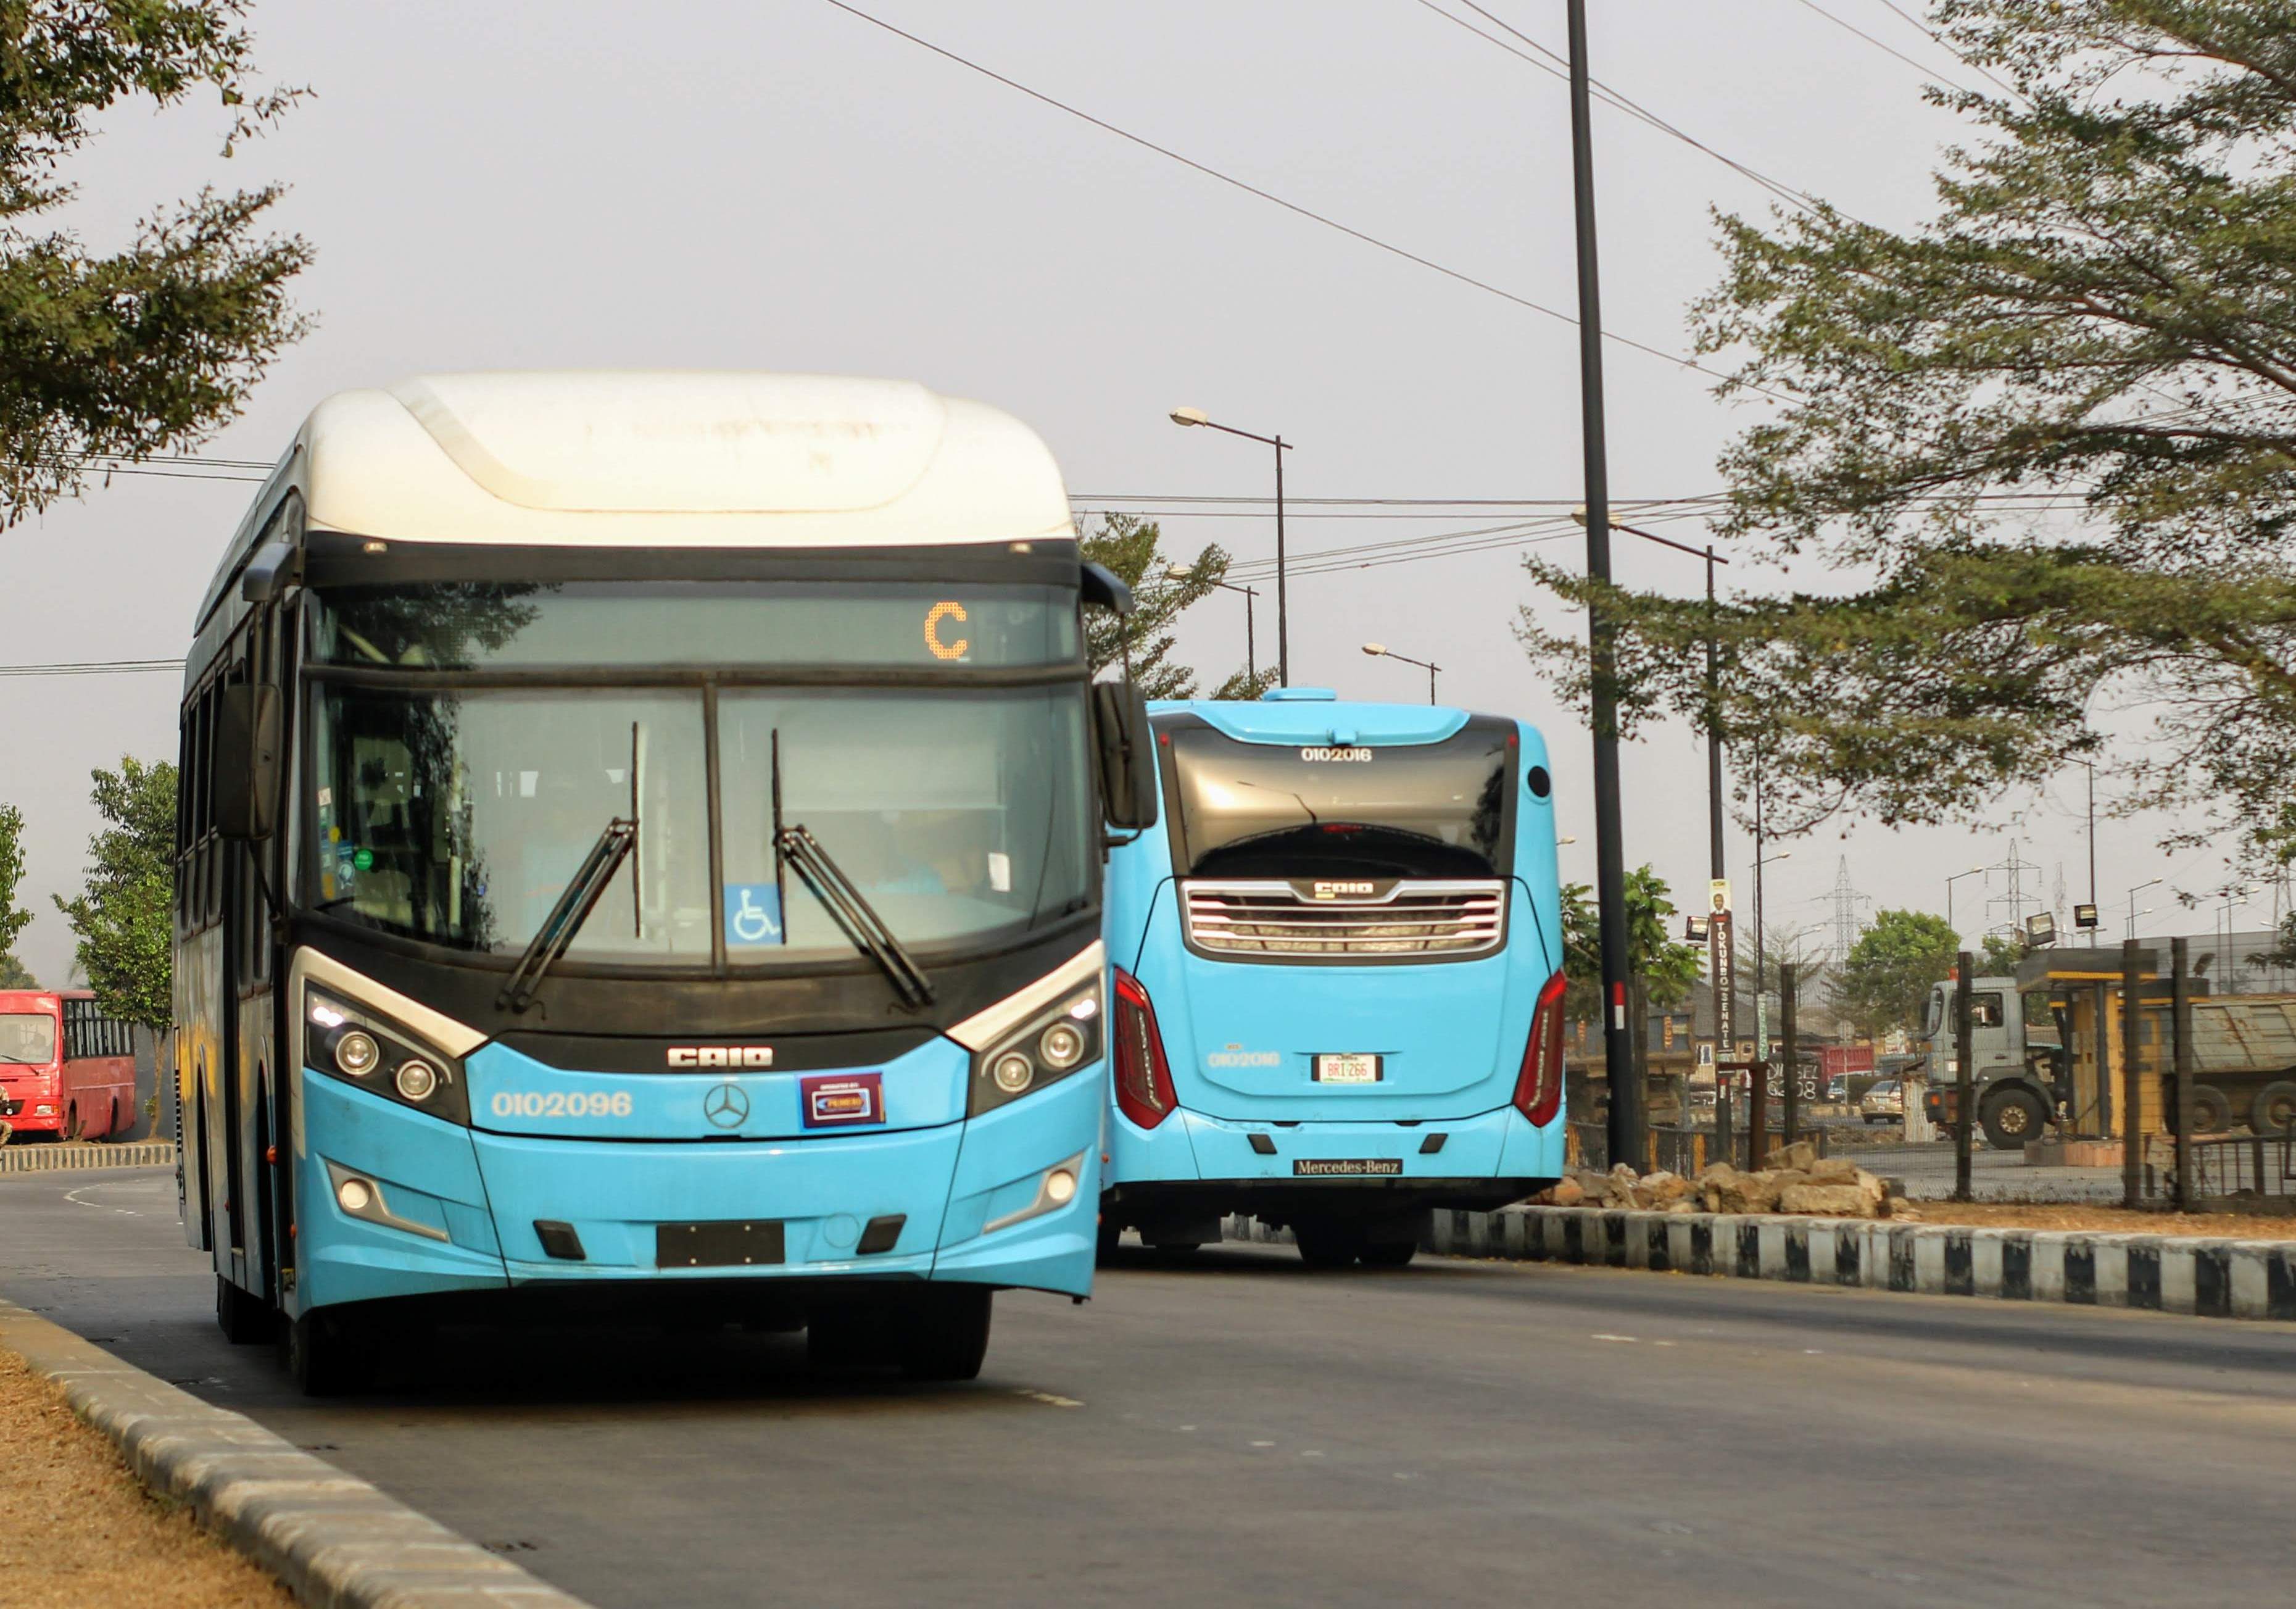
pixel 1538 1086
pixel 1143 1080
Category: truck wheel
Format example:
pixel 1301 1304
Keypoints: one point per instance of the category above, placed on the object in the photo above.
pixel 945 1336
pixel 2211 1110
pixel 2274 1112
pixel 2011 1118
pixel 1389 1254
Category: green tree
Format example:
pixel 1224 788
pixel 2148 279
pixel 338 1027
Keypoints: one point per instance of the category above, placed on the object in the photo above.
pixel 13 917
pixel 1887 973
pixel 1999 956
pixel 124 921
pixel 1667 968
pixel 154 347
pixel 2045 442
pixel 1129 546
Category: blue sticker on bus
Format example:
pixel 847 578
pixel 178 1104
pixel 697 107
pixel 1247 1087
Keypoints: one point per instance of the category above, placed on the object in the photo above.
pixel 753 913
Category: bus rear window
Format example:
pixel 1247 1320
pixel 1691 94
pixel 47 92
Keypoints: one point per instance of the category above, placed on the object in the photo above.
pixel 1252 810
pixel 28 1037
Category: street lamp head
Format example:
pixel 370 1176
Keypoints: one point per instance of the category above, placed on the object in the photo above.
pixel 1191 416
pixel 1374 649
pixel 1175 572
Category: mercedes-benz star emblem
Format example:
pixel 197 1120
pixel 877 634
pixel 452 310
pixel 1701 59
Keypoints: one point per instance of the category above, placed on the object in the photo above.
pixel 726 1106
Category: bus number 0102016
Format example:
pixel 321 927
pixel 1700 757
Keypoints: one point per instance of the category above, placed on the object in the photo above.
pixel 558 1103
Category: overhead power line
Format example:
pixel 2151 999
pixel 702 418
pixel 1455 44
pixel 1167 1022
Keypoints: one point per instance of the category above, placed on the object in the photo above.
pixel 1919 67
pixel 94 668
pixel 1270 196
pixel 1556 66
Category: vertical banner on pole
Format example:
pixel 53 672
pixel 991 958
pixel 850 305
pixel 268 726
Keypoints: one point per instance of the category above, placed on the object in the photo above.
pixel 1721 966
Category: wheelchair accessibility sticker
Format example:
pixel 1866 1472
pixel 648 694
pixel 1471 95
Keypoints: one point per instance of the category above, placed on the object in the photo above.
pixel 753 913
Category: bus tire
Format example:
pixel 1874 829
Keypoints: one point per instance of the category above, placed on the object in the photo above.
pixel 330 1356
pixel 2274 1112
pixel 1390 1254
pixel 2011 1118
pixel 846 1337
pixel 1111 1234
pixel 111 1123
pixel 1327 1244
pixel 243 1318
pixel 946 1336
pixel 69 1129
pixel 2211 1110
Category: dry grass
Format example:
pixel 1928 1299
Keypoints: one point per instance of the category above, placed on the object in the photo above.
pixel 2116 1221
pixel 77 1529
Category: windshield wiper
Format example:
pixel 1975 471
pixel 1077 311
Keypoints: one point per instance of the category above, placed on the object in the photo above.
pixel 567 917
pixel 803 853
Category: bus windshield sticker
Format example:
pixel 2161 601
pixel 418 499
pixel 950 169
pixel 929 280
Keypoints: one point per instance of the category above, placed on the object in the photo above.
pixel 753 913
pixel 833 1099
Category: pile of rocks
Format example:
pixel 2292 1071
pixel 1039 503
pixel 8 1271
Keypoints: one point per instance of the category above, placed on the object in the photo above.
pixel 1794 1179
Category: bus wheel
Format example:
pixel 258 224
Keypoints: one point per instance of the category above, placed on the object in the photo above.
pixel 946 1334
pixel 1389 1254
pixel 111 1123
pixel 1325 1244
pixel 2011 1119
pixel 2274 1114
pixel 69 1129
pixel 330 1356
pixel 847 1337
pixel 1104 1249
pixel 243 1318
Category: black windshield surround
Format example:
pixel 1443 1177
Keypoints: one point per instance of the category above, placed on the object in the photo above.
pixel 1433 810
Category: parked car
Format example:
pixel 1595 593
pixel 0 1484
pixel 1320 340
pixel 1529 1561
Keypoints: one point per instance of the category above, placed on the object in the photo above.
pixel 1884 1102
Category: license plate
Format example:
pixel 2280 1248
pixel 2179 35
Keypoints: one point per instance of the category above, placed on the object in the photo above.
pixel 716 1245
pixel 1360 1167
pixel 1347 1070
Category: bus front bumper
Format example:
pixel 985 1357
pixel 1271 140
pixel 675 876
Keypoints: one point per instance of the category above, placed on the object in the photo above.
pixel 456 1210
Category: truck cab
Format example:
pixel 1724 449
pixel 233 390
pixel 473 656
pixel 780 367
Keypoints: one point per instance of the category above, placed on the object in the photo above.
pixel 2015 1049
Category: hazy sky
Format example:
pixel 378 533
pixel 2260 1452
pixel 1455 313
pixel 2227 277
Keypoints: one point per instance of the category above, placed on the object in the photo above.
pixel 779 184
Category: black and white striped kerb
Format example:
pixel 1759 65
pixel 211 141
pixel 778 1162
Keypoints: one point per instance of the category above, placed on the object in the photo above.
pixel 40 1157
pixel 2225 1278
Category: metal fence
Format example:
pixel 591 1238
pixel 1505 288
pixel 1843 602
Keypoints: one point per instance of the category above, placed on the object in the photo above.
pixel 2223 1170
pixel 1676 1150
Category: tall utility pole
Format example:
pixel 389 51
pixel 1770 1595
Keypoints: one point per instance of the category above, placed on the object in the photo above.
pixel 1626 1127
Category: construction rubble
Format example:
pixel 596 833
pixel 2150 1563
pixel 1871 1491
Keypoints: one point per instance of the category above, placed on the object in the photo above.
pixel 1795 1179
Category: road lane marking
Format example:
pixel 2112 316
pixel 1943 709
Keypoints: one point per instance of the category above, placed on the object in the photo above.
pixel 73 1196
pixel 1629 1339
pixel 1047 1398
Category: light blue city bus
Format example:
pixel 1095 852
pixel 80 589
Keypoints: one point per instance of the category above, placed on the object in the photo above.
pixel 641 851
pixel 1337 976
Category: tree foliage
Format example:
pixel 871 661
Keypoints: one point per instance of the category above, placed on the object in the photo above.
pixel 1129 546
pixel 13 917
pixel 1888 975
pixel 152 347
pixel 124 920
pixel 2046 443
pixel 1666 967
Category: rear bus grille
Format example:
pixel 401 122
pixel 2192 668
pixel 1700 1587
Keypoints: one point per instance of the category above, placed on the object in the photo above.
pixel 1447 920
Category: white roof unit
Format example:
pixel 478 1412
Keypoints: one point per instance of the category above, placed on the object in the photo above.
pixel 675 459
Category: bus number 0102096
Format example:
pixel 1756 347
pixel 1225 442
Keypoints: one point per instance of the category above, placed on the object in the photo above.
pixel 558 1103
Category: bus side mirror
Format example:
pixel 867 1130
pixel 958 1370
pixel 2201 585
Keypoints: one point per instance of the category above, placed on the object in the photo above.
pixel 246 759
pixel 1127 755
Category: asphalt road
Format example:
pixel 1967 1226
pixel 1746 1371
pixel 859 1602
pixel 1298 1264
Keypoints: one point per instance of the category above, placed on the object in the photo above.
pixel 1243 1430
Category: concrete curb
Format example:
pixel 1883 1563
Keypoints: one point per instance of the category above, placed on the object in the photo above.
pixel 20 1158
pixel 336 1541
pixel 2159 1273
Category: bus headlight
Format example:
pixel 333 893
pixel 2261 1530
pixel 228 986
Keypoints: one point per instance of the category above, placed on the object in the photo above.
pixel 349 1041
pixel 1042 1051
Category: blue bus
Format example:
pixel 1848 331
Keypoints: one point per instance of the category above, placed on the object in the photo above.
pixel 641 851
pixel 1337 976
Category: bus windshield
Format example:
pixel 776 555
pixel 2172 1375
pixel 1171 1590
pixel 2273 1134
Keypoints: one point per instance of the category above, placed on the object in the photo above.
pixel 455 814
pixel 28 1037
pixel 1249 809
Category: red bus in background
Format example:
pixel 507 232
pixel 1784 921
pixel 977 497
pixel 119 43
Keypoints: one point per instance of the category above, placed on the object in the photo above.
pixel 66 1070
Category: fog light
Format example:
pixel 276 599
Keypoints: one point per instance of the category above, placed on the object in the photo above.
pixel 1012 1071
pixel 1061 1045
pixel 357 1052
pixel 416 1079
pixel 355 1195
pixel 1060 1186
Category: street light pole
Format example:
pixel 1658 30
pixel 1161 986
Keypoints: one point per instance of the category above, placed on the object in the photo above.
pixel 1626 1124
pixel 2140 888
pixel 1181 572
pixel 1381 650
pixel 1950 882
pixel 1283 610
